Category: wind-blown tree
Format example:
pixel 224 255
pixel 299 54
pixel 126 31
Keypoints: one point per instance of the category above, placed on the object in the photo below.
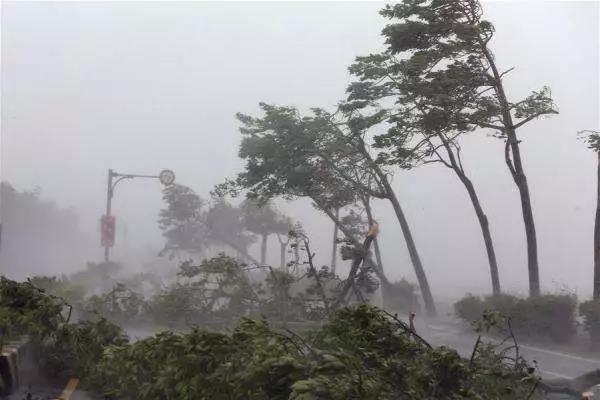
pixel 293 156
pixel 226 225
pixel 182 222
pixel 190 225
pixel 348 155
pixel 416 138
pixel 592 139
pixel 263 220
pixel 438 60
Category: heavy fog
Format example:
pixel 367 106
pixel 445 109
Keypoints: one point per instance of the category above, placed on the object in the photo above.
pixel 139 87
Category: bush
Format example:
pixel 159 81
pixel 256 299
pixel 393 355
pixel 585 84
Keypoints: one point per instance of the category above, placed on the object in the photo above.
pixel 361 353
pixel 470 308
pixel 590 311
pixel 402 296
pixel 550 316
pixel 547 317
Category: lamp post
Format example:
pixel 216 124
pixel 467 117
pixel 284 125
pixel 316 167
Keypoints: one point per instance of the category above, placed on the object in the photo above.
pixel 166 177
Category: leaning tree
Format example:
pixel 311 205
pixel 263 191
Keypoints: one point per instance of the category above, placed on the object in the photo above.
pixel 288 155
pixel 592 139
pixel 190 224
pixel 419 134
pixel 438 53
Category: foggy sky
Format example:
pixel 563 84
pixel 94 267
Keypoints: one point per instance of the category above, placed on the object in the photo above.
pixel 143 86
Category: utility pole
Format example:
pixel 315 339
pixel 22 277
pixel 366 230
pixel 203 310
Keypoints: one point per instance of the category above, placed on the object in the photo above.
pixel 166 177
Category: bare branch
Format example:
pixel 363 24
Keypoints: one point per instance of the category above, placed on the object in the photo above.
pixel 407 329
pixel 491 126
pixel 533 116
pixel 474 351
pixel 506 72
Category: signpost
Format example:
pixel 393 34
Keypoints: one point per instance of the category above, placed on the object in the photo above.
pixel 166 177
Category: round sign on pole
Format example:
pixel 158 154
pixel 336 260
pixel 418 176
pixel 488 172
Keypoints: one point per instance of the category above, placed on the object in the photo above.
pixel 166 177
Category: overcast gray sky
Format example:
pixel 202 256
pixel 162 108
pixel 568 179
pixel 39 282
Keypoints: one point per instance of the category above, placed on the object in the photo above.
pixel 142 86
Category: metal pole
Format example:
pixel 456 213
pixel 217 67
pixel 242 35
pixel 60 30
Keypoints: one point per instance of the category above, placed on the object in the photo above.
pixel 108 206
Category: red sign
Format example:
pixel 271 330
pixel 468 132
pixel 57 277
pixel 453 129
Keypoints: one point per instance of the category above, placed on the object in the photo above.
pixel 108 230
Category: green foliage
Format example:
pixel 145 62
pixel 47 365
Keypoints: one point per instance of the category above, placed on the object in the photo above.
pixel 189 225
pixel 402 296
pixel 360 354
pixel 61 287
pixel 120 304
pixel 291 155
pixel 62 348
pixel 547 317
pixel 437 58
pixel 470 308
pixel 263 219
pixel 182 220
pixel 591 138
pixel 25 309
pixel 73 349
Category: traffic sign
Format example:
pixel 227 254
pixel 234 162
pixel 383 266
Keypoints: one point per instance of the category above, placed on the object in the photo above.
pixel 108 230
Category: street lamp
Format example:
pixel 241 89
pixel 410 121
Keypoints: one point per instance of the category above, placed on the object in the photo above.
pixel 166 177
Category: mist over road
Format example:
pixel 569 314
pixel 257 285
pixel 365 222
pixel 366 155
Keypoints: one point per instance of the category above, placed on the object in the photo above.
pixel 552 364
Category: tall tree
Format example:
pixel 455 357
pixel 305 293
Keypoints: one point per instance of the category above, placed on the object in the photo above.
pixel 182 222
pixel 290 155
pixel 592 139
pixel 417 138
pixel 334 243
pixel 437 52
pixel 189 224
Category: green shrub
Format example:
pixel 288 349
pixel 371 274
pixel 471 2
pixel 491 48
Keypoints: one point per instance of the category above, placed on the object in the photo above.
pixel 547 317
pixel 402 296
pixel 550 316
pixel 590 311
pixel 359 354
pixel 470 308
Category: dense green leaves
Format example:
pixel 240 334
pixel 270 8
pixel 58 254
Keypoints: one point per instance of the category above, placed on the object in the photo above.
pixel 549 317
pixel 359 354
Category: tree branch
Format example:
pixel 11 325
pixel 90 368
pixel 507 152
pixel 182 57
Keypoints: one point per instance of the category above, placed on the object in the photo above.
pixel 506 72
pixel 533 116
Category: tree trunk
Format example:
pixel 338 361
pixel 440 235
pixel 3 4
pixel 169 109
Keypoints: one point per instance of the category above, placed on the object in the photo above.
pixel 283 247
pixel 375 243
pixel 518 174
pixel 532 256
pixel 335 243
pixel 263 250
pixel 358 259
pixel 457 167
pixel 354 240
pixel 317 279
pixel 597 239
pixel 414 257
pixel 370 219
pixel 485 230
pixel 410 243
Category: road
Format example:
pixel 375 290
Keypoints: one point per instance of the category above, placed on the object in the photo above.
pixel 552 364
